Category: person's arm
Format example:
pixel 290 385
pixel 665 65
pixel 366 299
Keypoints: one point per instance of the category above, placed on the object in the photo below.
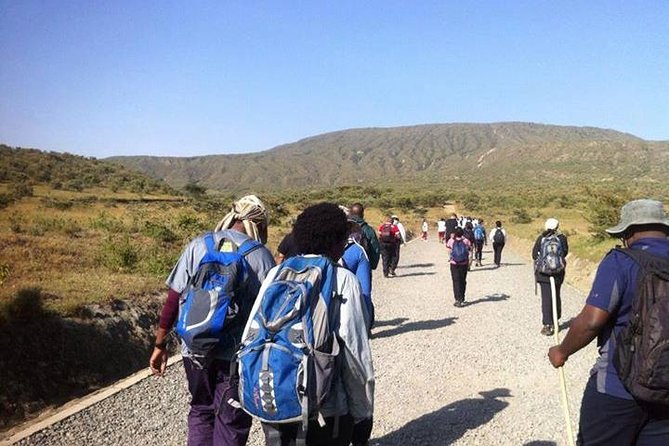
pixel 169 313
pixel 357 368
pixel 583 329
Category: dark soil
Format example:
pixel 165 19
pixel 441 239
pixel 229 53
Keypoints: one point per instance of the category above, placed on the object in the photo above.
pixel 47 360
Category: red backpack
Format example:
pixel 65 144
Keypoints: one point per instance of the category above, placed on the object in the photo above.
pixel 386 233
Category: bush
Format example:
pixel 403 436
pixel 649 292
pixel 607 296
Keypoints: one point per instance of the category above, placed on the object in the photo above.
pixel 604 213
pixel 20 190
pixel 521 216
pixel 159 232
pixel 118 255
pixel 5 271
pixel 5 200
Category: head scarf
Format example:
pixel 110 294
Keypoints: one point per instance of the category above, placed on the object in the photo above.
pixel 251 212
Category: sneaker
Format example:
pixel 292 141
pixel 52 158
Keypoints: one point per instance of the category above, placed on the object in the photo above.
pixel 392 273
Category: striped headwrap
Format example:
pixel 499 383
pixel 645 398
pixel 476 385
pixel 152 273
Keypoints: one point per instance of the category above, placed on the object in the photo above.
pixel 250 211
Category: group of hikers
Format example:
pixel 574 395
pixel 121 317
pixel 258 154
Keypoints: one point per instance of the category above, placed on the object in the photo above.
pixel 286 339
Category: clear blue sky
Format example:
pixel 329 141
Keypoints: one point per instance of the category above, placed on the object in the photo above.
pixel 185 78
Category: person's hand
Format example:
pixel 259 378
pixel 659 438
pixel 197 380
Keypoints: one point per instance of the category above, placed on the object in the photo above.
pixel 158 361
pixel 556 357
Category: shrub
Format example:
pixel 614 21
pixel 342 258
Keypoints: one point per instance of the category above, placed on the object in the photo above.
pixel 159 231
pixel 5 200
pixel 118 255
pixel 5 271
pixel 521 216
pixel 21 189
pixel 604 212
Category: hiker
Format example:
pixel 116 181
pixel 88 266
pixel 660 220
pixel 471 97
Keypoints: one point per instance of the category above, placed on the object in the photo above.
pixel 610 414
pixel 549 254
pixel 459 248
pixel 355 260
pixel 468 233
pixel 479 241
pixel 287 248
pixel 321 232
pixel 389 238
pixel 425 228
pixel 369 241
pixel 213 418
pixel 498 239
pixel 403 240
pixel 441 229
pixel 451 224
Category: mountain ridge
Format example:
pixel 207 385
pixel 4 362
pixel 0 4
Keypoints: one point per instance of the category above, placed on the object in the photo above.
pixel 422 155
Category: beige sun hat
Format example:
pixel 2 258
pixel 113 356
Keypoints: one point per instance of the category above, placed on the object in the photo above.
pixel 640 212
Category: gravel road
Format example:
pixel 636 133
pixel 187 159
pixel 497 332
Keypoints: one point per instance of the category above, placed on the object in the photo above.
pixel 476 375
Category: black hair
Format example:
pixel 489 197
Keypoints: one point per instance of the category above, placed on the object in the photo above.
pixel 320 228
pixel 459 232
pixel 498 224
pixel 358 209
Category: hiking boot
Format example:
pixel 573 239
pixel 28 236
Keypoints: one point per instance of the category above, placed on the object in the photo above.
pixel 392 273
pixel 547 330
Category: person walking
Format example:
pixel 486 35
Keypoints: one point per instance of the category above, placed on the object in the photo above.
pixel 355 260
pixel 389 238
pixel 369 241
pixel 549 254
pixel 321 230
pixel 212 419
pixel 402 241
pixel 451 223
pixel 425 228
pixel 441 229
pixel 610 415
pixel 479 241
pixel 459 248
pixel 498 239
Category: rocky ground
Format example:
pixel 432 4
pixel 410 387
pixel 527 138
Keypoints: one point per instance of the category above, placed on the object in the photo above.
pixel 476 375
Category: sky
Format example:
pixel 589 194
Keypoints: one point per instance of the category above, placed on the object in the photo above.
pixel 188 78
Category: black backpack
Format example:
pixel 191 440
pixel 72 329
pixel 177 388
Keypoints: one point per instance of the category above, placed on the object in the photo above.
pixel 499 236
pixel 641 357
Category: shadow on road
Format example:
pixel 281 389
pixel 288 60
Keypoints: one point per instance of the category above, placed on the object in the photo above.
pixel 497 297
pixel 566 324
pixel 449 423
pixel 427 273
pixel 396 321
pixel 416 265
pixel 414 326
pixel 541 443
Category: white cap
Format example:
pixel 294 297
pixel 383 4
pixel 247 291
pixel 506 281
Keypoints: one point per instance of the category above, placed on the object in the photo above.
pixel 551 224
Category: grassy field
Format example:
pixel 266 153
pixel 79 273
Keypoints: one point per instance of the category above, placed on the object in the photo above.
pixel 95 245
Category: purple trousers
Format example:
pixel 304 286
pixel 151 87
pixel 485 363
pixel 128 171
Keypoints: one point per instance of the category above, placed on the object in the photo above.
pixel 213 420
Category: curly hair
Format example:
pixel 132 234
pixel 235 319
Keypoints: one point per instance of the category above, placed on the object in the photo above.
pixel 319 228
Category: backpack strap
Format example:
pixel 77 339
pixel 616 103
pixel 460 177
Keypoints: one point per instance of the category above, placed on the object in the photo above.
pixel 647 260
pixel 249 246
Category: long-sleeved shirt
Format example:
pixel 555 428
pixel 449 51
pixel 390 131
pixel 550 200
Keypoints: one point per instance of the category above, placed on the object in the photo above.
pixel 355 260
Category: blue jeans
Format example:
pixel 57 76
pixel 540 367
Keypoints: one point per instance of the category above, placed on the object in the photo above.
pixel 212 421
pixel 607 420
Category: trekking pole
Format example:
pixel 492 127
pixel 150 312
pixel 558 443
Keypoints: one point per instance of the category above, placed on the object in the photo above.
pixel 563 382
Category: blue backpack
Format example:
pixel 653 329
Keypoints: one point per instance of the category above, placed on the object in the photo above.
pixel 479 232
pixel 209 303
pixel 459 252
pixel 288 352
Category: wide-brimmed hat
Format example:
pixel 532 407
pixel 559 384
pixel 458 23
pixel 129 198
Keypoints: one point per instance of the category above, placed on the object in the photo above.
pixel 640 212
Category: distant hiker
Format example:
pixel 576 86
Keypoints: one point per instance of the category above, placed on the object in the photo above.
pixel 549 254
pixel 369 241
pixel 424 229
pixel 451 224
pixel 441 230
pixel 355 260
pixel 389 237
pixel 468 233
pixel 479 241
pixel 287 248
pixel 459 248
pixel 403 240
pixel 321 233
pixel 215 416
pixel 498 239
pixel 626 399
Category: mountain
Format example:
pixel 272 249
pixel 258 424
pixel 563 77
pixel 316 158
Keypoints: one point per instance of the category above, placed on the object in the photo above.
pixel 490 154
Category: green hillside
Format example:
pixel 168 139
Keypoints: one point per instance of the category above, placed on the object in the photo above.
pixel 494 155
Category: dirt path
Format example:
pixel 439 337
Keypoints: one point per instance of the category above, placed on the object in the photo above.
pixel 476 375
